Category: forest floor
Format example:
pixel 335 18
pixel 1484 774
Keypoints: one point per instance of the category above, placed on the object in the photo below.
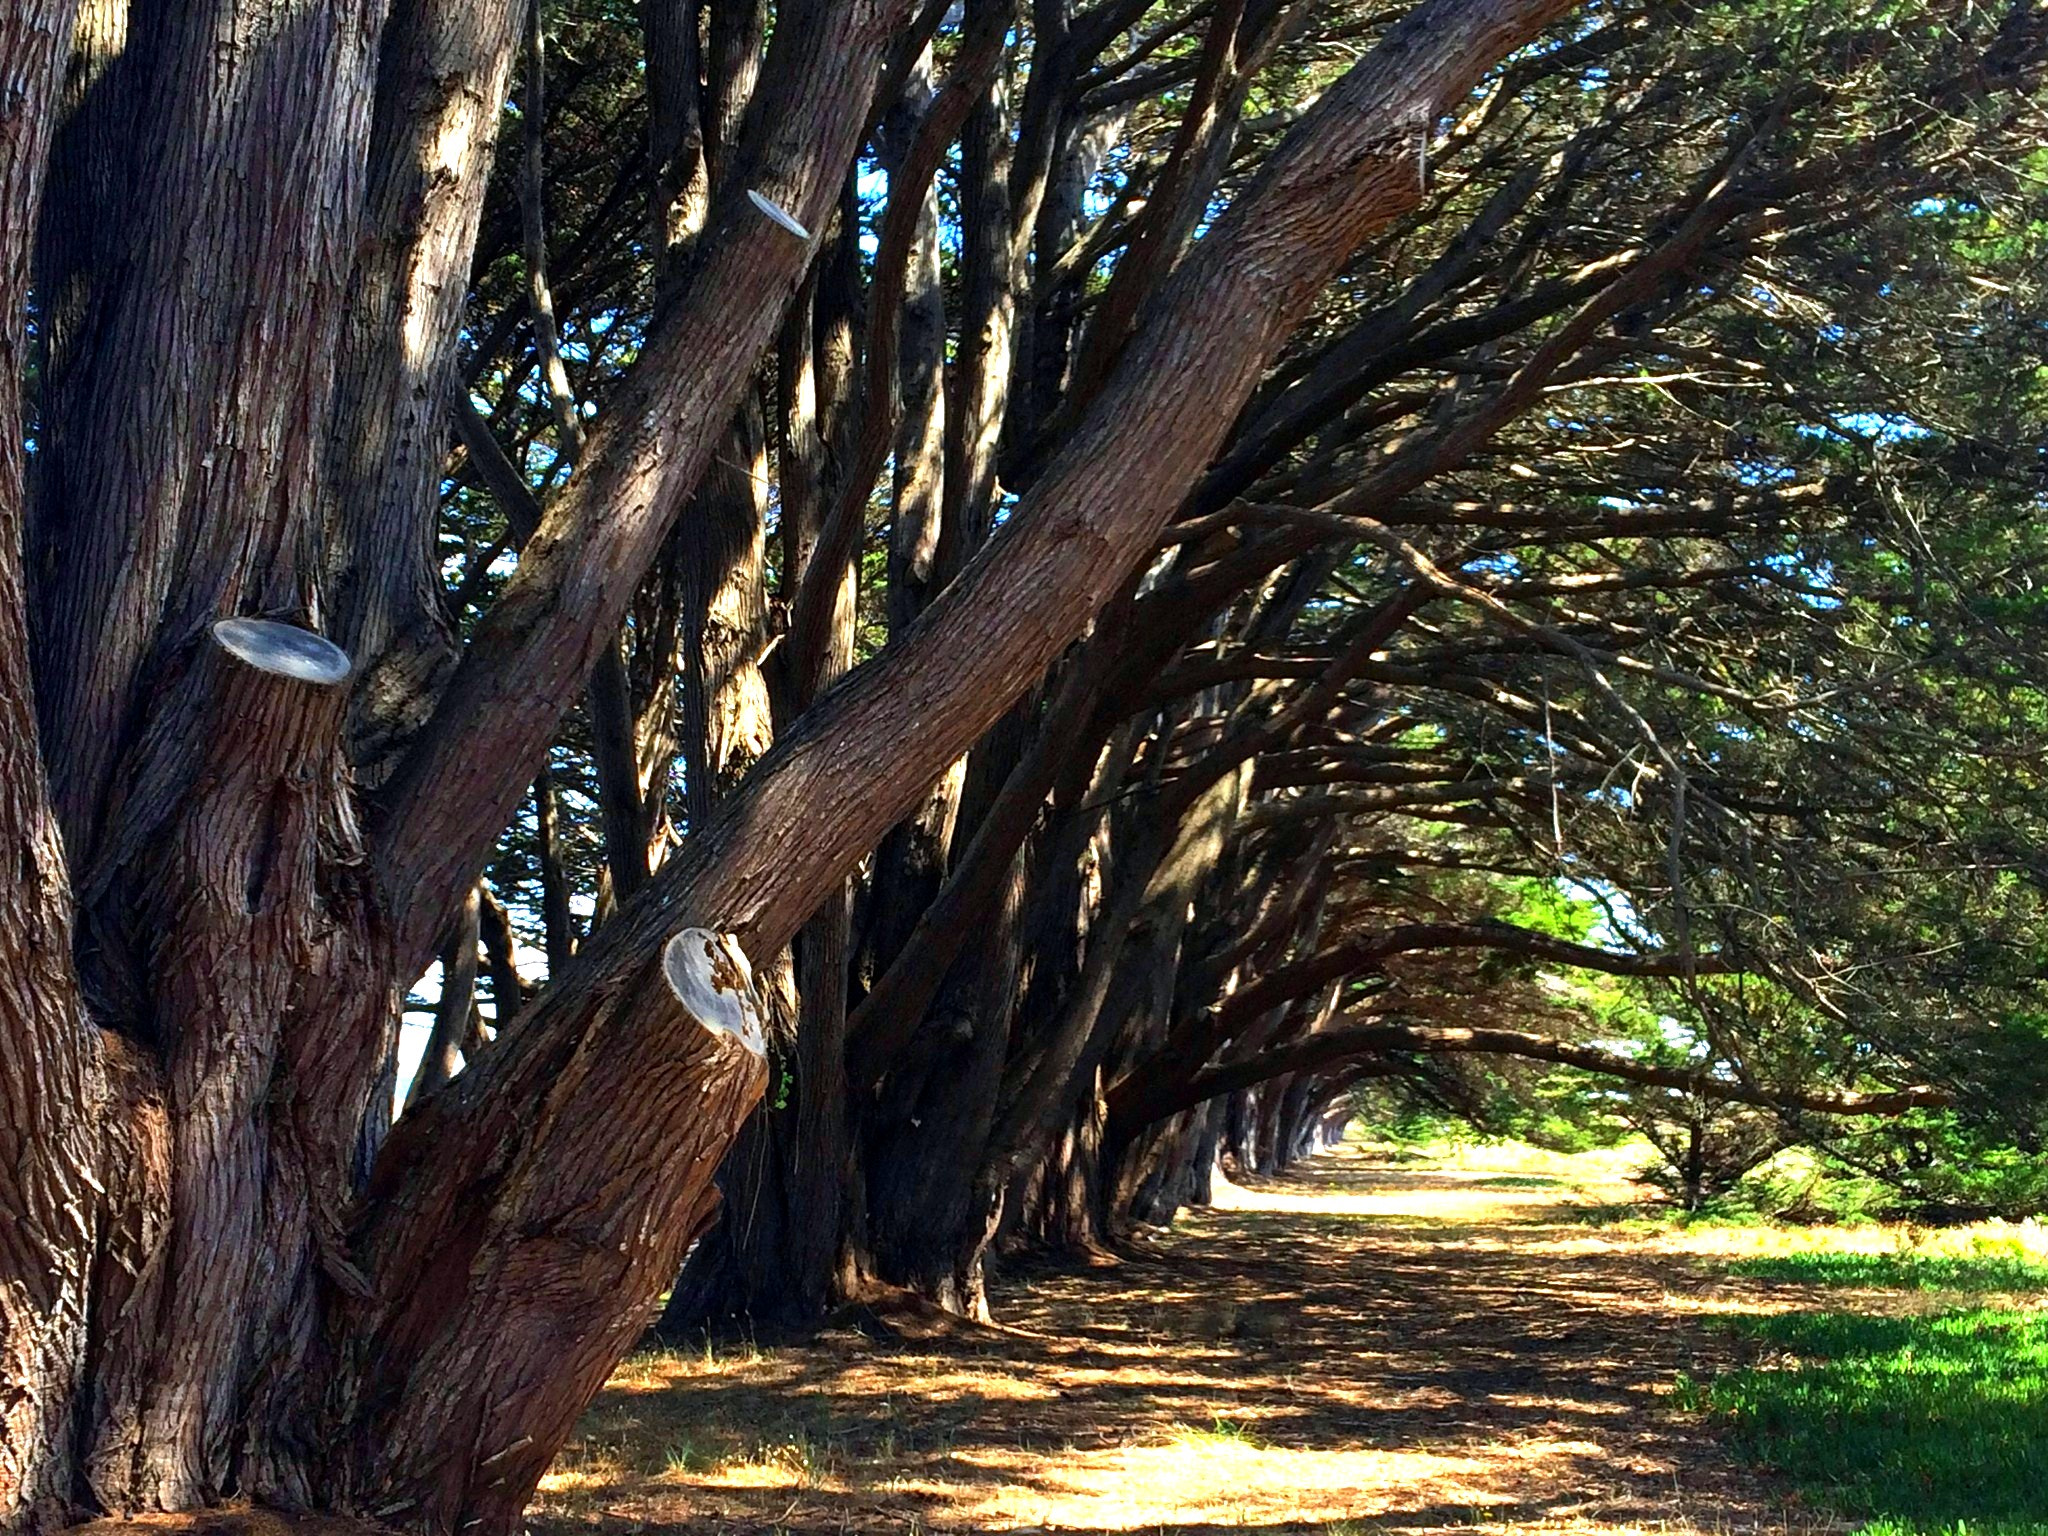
pixel 1479 1340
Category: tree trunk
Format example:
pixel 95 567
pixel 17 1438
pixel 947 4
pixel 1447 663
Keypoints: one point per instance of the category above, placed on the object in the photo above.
pixel 442 80
pixel 456 1006
pixel 558 922
pixel 1064 1201
pixel 1167 1168
pixel 928 1218
pixel 60 1115
pixel 517 1274
pixel 178 471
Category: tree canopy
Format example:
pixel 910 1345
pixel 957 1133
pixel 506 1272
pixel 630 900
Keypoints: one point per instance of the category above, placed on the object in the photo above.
pixel 1097 578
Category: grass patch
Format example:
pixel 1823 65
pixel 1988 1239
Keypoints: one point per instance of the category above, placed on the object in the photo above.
pixel 1921 1425
pixel 1908 1271
pixel 1221 1432
pixel 683 1458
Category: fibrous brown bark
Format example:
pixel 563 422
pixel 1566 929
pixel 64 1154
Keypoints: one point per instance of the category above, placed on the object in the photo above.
pixel 233 907
pixel 439 89
pixel 178 476
pixel 53 1089
pixel 513 1281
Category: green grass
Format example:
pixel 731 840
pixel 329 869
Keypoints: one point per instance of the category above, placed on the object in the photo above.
pixel 1935 1425
pixel 1903 1271
pixel 1220 1432
pixel 686 1456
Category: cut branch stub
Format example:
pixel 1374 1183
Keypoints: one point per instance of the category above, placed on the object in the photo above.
pixel 779 214
pixel 283 650
pixel 710 976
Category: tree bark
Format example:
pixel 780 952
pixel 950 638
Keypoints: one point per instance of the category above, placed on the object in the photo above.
pixel 455 1007
pixel 227 912
pixel 54 1092
pixel 512 1281
pixel 177 475
pixel 441 84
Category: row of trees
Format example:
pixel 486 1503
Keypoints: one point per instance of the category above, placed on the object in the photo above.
pixel 1050 587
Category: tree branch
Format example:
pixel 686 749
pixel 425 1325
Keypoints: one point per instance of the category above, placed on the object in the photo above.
pixel 532 653
pixel 1384 1039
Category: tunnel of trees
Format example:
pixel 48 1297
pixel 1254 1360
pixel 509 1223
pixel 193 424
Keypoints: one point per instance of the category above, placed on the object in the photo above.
pixel 929 616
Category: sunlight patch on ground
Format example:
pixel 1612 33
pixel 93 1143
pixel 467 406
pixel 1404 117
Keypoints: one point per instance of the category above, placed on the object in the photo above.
pixel 1465 1185
pixel 1145 1487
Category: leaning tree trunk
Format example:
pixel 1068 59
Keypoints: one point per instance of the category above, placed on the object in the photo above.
pixel 499 1281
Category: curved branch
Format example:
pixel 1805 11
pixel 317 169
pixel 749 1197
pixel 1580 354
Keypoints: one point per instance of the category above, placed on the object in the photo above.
pixel 1339 1045
pixel 1364 953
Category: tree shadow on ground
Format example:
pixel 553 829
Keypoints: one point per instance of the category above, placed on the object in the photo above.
pixel 1355 1344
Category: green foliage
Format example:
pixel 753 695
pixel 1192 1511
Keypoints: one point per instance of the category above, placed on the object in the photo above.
pixel 1941 1165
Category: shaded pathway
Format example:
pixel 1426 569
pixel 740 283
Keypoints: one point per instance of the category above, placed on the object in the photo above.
pixel 1359 1346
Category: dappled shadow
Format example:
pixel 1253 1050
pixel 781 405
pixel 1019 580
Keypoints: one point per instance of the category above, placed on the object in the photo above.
pixel 1413 1348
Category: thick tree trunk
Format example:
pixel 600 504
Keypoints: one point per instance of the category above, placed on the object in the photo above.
pixel 440 88
pixel 56 1108
pixel 1239 1133
pixel 511 1282
pixel 1166 1169
pixel 929 1220
pixel 1064 1204
pixel 1291 1143
pixel 179 470
pixel 178 478
pixel 233 910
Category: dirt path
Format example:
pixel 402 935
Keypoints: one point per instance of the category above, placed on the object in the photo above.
pixel 1359 1347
